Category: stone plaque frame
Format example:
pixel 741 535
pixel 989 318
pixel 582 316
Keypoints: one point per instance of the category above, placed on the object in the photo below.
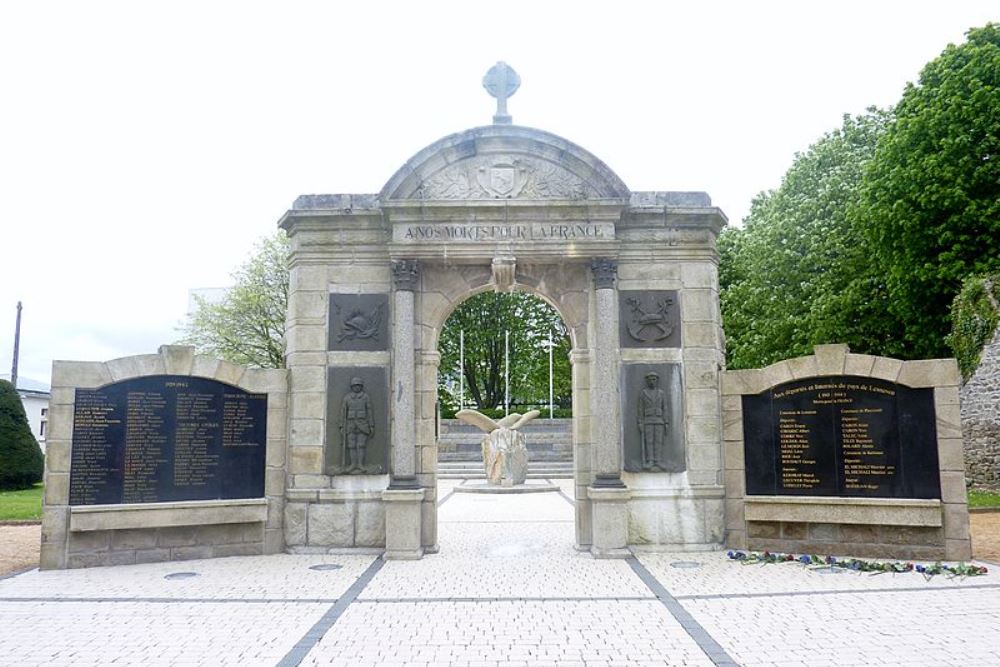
pixel 911 528
pixel 649 318
pixel 376 386
pixel 358 323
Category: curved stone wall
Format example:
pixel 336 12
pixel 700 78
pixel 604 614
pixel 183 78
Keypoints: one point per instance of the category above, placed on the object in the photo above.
pixel 84 536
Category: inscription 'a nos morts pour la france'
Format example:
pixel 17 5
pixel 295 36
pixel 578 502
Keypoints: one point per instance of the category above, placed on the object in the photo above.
pixel 523 233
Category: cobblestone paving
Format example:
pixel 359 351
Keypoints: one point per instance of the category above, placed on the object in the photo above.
pixel 507 588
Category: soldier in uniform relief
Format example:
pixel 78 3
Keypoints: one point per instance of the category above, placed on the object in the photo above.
pixel 356 424
pixel 652 423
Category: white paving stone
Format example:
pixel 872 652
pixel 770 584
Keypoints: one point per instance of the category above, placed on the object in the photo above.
pixel 506 546
pixel 283 576
pixel 935 627
pixel 129 633
pixel 507 588
pixel 507 633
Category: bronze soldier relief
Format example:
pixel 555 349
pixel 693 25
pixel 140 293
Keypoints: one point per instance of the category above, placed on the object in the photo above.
pixel 652 420
pixel 357 424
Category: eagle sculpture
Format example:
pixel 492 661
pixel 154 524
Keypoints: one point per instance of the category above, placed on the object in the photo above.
pixel 505 456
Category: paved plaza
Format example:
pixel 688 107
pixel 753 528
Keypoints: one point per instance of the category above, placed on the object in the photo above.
pixel 507 588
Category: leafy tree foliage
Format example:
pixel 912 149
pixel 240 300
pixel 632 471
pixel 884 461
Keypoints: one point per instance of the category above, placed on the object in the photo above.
pixel 21 462
pixel 484 318
pixel 247 326
pixel 975 316
pixel 931 193
pixel 798 273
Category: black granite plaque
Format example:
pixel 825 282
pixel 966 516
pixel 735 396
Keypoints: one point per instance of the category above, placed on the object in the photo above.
pixel 166 438
pixel 653 418
pixel 841 436
pixel 649 318
pixel 359 322
pixel 357 421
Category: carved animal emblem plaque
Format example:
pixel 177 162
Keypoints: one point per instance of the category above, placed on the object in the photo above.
pixel 649 319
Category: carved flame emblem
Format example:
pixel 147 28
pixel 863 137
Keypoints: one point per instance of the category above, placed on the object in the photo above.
pixel 359 325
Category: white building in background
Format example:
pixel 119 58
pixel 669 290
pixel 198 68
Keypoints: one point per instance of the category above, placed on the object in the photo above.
pixel 35 398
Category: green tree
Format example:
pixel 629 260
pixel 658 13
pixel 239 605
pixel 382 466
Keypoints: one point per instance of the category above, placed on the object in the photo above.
pixel 484 318
pixel 931 194
pixel 21 462
pixel 247 326
pixel 798 272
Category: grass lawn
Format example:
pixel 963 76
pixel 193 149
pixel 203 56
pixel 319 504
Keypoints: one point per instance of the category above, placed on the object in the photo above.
pixel 984 499
pixel 26 504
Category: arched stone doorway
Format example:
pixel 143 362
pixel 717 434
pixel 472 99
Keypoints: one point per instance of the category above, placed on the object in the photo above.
pixel 446 287
pixel 634 275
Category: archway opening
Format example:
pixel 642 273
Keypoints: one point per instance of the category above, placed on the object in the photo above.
pixel 505 354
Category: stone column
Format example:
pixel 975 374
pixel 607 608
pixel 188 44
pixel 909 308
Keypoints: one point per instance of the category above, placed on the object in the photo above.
pixel 607 493
pixel 403 497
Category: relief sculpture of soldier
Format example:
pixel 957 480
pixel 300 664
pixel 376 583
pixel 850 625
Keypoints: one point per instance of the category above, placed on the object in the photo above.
pixel 357 424
pixel 652 423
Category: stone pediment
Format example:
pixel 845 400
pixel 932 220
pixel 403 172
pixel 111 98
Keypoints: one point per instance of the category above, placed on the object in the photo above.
pixel 504 162
pixel 505 177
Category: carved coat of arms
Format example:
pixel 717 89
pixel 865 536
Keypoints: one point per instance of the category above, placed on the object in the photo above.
pixel 502 179
pixel 649 325
pixel 358 324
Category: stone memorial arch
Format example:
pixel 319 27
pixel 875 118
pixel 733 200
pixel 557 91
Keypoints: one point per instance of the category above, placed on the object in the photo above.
pixel 177 456
pixel 373 277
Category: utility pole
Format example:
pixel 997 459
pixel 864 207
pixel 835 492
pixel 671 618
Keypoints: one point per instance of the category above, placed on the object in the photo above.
pixel 17 345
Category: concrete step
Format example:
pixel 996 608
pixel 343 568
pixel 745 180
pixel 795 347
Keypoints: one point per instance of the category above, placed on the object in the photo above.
pixel 481 475
pixel 474 470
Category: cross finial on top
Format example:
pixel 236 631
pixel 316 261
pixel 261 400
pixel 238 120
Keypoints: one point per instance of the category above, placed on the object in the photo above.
pixel 501 82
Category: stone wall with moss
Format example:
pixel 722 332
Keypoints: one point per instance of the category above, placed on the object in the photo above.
pixel 981 419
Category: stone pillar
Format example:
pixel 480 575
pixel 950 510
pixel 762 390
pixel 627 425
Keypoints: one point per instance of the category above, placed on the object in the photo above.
pixel 608 494
pixel 404 495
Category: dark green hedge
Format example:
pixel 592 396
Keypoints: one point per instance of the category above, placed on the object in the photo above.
pixel 21 462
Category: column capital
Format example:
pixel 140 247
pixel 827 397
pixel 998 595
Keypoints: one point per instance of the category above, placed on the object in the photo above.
pixel 605 271
pixel 406 274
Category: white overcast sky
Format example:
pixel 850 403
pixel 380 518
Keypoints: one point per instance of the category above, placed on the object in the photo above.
pixel 146 146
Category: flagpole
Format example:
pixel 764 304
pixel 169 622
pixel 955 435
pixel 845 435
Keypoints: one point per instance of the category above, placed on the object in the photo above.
pixel 461 369
pixel 506 372
pixel 550 375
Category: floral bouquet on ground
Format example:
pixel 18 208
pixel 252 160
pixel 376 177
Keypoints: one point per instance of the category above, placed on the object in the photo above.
pixel 857 564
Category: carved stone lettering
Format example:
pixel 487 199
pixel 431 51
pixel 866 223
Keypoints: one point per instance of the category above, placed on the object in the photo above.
pixel 535 232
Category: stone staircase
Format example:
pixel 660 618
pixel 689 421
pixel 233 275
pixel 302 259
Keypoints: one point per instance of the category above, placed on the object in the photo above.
pixel 549 442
